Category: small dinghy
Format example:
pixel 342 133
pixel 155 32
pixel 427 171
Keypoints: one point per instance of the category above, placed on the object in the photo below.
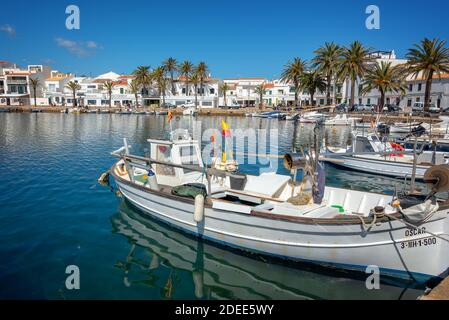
pixel 274 215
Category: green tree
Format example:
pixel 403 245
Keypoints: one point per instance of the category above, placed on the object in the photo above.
pixel 134 88
pixel 171 66
pixel 109 86
pixel 260 91
pixel 195 80
pixel 354 63
pixel 143 77
pixel 161 82
pixel 201 70
pixel 326 61
pixel 224 88
pixel 35 83
pixel 312 82
pixel 293 71
pixel 74 87
pixel 385 78
pixel 186 70
pixel 429 58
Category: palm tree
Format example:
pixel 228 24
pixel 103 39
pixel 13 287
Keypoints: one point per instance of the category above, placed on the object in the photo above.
pixel 354 63
pixel 171 66
pixel 195 80
pixel 74 87
pixel 134 89
pixel 161 82
pixel 312 82
pixel 109 86
pixel 143 77
pixel 293 71
pixel 185 70
pixel 428 58
pixel 35 83
pixel 260 90
pixel 202 71
pixel 326 61
pixel 224 88
pixel 385 78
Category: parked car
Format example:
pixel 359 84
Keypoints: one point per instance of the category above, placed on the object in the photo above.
pixel 391 108
pixel 168 105
pixel 363 107
pixel 419 107
pixel 342 107
pixel 188 104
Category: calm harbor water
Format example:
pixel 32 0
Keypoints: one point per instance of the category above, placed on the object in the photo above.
pixel 54 214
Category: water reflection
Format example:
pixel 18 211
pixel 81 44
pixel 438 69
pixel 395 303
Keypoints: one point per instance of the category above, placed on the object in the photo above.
pixel 217 273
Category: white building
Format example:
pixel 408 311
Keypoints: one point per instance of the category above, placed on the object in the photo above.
pixel 208 97
pixel 15 86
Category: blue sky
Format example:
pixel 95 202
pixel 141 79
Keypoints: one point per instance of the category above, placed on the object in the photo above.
pixel 235 38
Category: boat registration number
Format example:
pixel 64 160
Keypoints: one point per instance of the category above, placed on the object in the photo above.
pixel 419 243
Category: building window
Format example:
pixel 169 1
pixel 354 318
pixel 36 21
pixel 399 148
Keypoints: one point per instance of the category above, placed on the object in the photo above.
pixel 122 91
pixel 418 99
pixel 369 101
pixel 321 101
pixel 410 87
pixel 183 91
pixel 360 100
pixel 91 102
pixel 211 90
pixel 419 86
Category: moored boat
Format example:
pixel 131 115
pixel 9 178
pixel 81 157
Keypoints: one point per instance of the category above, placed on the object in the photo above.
pixel 271 214
pixel 371 155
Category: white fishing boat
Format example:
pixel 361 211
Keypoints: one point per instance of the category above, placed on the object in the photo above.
pixel 271 214
pixel 190 112
pixel 369 154
pixel 341 120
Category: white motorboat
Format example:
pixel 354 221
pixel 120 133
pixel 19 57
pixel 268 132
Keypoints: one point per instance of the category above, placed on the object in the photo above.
pixel 271 214
pixel 341 120
pixel 399 127
pixel 386 159
pixel 190 112
pixel 312 117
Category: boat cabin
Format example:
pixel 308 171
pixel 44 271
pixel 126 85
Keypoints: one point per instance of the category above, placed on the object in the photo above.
pixel 181 150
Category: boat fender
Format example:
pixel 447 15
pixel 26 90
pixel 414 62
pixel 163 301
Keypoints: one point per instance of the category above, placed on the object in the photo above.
pixel 198 215
pixel 152 181
pixel 104 178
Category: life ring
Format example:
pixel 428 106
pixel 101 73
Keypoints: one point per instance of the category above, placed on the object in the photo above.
pixel 121 169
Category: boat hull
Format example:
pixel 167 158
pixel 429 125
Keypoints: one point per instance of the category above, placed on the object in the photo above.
pixel 389 246
pixel 380 167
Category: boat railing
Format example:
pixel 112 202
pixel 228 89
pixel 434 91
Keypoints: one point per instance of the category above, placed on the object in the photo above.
pixel 145 163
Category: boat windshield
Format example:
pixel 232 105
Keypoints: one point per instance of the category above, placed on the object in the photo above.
pixel 163 153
